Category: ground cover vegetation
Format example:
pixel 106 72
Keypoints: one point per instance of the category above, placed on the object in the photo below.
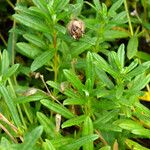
pixel 79 91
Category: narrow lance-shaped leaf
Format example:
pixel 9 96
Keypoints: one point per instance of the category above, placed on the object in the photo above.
pixel 74 79
pixel 114 61
pixel 101 63
pixel 10 104
pixel 28 50
pixel 41 4
pixel 132 47
pixel 60 4
pixel 88 130
pixel 115 34
pixel 105 148
pixel 144 80
pixel 57 108
pixel 30 139
pixel 115 6
pixel 74 101
pixel 47 145
pixel 97 5
pixel 104 78
pixel 74 121
pixel 10 71
pixel 5 62
pixel 80 48
pixel 36 40
pixel 90 69
pixel 41 60
pixel 131 66
pixel 138 70
pixel 48 125
pixel 32 22
pixel 81 141
pixel 54 85
pixel 121 55
pixel 134 144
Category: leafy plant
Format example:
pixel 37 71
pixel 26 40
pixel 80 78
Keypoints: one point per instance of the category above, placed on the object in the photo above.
pixel 67 94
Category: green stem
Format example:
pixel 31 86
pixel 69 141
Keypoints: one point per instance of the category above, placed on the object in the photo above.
pixel 2 38
pixel 10 3
pixel 129 20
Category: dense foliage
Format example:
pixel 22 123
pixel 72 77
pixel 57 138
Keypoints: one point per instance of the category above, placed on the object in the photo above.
pixel 59 93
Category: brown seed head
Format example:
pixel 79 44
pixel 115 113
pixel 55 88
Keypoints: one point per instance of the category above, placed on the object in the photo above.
pixel 76 28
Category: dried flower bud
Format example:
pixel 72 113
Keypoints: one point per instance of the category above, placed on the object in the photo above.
pixel 76 28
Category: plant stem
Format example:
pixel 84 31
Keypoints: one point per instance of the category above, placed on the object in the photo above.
pixel 2 38
pixel 101 138
pixel 129 20
pixel 10 3
pixel 49 92
pixel 8 133
pixel 55 57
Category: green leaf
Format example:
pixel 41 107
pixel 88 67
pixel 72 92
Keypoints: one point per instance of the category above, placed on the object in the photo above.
pixel 90 69
pixel 104 78
pixel 143 55
pixel 61 141
pixel 74 80
pixel 88 130
pixel 5 144
pixel 121 54
pixel 31 11
pixel 115 34
pixel 119 90
pixel 36 40
pixel 119 18
pixel 47 145
pixel 28 50
pixel 142 109
pixel 105 117
pixel 5 62
pixel 134 144
pixel 80 142
pixel 41 4
pixel 32 22
pixel 41 60
pixel 133 126
pixel 74 121
pixel 70 93
pixel 142 132
pixel 132 47
pixel 137 86
pixel 80 48
pixel 10 71
pixel 57 108
pixel 108 127
pixel 27 97
pixel 11 106
pixel 138 70
pixel 54 85
pixel 47 124
pixel 97 5
pixel 59 5
pixel 74 101
pixel 31 138
pixel 114 7
pixel 114 61
pixel 101 63
pixel 105 148
pixel 60 28
pixel 131 66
